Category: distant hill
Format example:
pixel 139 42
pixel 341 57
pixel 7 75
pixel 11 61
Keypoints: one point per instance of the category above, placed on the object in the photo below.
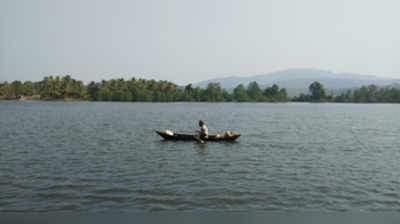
pixel 296 81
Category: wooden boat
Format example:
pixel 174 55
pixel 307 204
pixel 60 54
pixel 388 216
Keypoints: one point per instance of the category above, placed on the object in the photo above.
pixel 185 137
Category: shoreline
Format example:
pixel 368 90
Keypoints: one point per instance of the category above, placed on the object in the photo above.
pixel 267 102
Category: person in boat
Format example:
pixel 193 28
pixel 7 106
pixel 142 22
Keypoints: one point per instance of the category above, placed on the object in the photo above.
pixel 203 133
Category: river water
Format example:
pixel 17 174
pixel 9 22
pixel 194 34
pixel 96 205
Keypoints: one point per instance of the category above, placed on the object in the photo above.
pixel 102 156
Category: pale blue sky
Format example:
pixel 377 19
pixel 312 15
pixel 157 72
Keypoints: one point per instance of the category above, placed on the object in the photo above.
pixel 188 41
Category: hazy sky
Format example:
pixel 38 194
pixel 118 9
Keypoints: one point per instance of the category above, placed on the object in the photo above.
pixel 187 41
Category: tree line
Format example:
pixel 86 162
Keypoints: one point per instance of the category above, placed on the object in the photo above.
pixel 67 88
pixel 365 94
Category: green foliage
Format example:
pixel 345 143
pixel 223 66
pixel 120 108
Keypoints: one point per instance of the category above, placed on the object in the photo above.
pixel 364 94
pixel 228 97
pixel 213 93
pixel 271 91
pixel 317 92
pixel 163 91
pixel 188 93
pixel 240 94
pixel 254 92
pixel 17 88
pixel 67 88
pixel 370 94
pixel 62 88
pixel 274 94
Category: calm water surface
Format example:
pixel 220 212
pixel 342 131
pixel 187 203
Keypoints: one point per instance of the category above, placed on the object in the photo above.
pixel 87 156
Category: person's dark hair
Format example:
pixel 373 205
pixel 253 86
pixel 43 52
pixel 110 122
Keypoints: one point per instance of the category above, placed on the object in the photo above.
pixel 201 122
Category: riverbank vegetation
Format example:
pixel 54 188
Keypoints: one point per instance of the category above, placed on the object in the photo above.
pixel 67 88
pixel 365 94
pixel 141 90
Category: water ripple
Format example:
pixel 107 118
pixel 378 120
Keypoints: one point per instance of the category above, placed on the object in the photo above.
pixel 87 156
